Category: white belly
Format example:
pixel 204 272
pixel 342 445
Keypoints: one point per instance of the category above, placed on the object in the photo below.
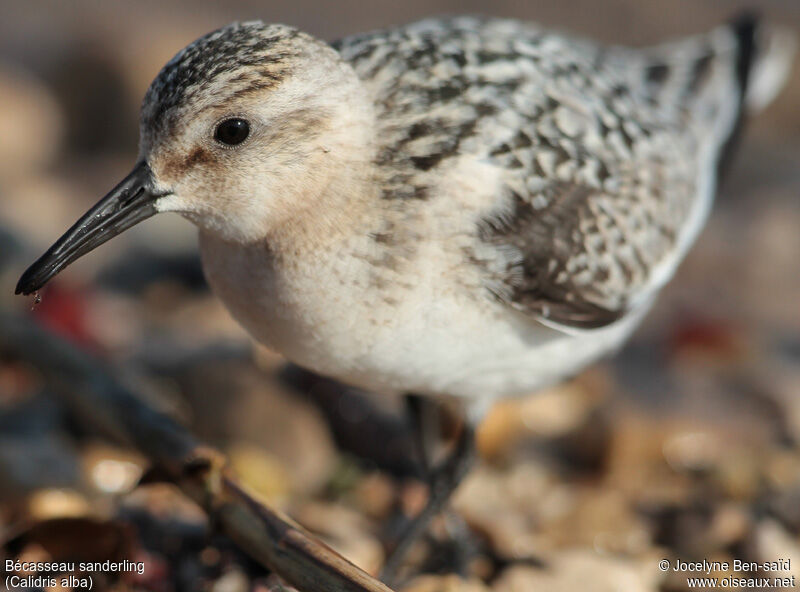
pixel 428 337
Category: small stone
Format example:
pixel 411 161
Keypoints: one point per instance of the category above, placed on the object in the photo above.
pixel 731 523
pixel 57 503
pixel 112 470
pixel 773 543
pixel 506 507
pixel 233 580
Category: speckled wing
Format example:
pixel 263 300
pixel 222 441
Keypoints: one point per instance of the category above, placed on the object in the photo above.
pixel 607 156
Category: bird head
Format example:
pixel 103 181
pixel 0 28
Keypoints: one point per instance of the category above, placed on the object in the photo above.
pixel 240 132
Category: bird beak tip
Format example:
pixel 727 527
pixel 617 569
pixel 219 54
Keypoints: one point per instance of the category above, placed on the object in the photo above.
pixel 130 202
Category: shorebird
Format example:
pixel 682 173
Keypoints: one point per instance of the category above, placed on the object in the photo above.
pixel 460 208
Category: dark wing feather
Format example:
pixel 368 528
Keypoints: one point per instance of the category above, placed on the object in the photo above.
pixel 576 264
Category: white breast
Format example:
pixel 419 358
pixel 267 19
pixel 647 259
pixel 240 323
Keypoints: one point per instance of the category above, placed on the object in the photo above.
pixel 428 336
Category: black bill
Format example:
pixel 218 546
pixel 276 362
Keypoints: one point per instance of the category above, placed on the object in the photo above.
pixel 130 202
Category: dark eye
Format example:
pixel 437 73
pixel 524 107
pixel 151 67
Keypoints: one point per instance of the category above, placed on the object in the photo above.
pixel 232 131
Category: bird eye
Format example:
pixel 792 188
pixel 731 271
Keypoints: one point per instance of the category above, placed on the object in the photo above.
pixel 232 131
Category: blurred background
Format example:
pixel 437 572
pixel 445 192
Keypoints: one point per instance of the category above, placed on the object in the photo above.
pixel 684 446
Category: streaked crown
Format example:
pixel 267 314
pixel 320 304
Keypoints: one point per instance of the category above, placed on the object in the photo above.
pixel 230 62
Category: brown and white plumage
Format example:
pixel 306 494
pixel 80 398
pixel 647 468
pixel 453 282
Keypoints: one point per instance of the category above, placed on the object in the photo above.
pixel 459 206
pixel 604 154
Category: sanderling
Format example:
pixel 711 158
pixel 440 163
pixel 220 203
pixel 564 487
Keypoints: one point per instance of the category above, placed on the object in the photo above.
pixel 460 207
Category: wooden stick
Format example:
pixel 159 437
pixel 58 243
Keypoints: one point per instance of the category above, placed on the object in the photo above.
pixel 100 400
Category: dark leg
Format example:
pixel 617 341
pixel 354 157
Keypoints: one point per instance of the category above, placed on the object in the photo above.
pixel 442 479
pixel 424 418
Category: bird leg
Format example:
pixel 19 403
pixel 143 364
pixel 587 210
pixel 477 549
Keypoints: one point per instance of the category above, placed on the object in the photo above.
pixel 423 414
pixel 442 479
